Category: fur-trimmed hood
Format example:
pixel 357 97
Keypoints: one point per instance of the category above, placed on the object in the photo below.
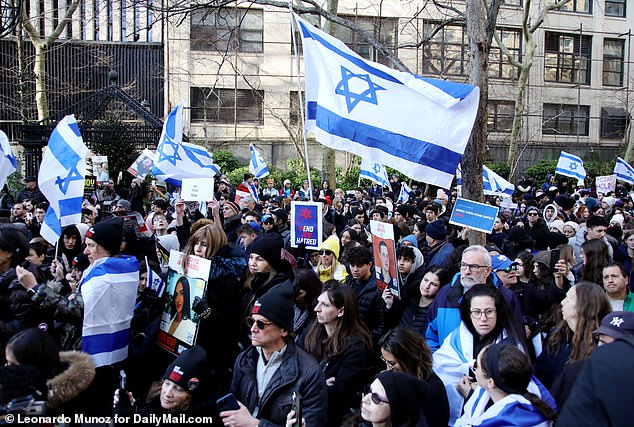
pixel 68 384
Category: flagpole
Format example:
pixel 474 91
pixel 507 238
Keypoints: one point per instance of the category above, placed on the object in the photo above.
pixel 301 99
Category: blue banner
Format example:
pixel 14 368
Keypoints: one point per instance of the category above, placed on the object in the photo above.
pixel 306 224
pixel 477 216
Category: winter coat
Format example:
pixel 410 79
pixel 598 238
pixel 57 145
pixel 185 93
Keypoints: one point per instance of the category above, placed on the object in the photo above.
pixel 371 305
pixel 65 388
pixel 538 233
pixel 17 311
pixel 299 373
pixel 440 253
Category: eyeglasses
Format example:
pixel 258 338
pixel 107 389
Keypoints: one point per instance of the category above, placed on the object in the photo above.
pixel 390 363
pixel 489 313
pixel 532 214
pixel 325 252
pixel 376 398
pixel 472 267
pixel 261 324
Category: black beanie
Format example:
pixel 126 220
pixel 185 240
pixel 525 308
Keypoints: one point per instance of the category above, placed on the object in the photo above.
pixel 269 246
pixel 107 234
pixel 277 305
pixel 566 202
pixel 436 230
pixel 188 368
pixel 406 395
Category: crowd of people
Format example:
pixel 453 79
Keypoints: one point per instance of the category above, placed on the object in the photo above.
pixel 535 328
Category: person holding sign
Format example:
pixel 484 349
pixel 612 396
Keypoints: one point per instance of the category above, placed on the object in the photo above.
pixel 384 272
pixel 182 327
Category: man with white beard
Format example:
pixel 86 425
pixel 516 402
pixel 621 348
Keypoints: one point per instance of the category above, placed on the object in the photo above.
pixel 444 314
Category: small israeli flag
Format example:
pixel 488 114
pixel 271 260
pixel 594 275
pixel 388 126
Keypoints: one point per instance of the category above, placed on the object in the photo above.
pixel 570 165
pixel 375 172
pixel 257 167
pixel 8 163
pixel 154 281
pixel 403 197
pixel 623 171
pixel 61 178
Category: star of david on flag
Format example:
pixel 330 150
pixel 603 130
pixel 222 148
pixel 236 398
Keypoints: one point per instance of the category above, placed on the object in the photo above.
pixel 492 183
pixel 61 178
pixel 175 159
pixel 403 196
pixel 570 165
pixel 624 171
pixel 375 172
pixel 419 126
pixel 8 162
pixel 257 167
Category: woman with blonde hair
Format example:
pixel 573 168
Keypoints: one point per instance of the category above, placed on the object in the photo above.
pixel 328 266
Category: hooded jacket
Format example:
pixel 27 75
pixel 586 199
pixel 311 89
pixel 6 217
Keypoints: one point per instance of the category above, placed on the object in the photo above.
pixel 65 387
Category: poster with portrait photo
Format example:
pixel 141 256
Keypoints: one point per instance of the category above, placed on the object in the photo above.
pixel 142 165
pixel 179 325
pixel 385 256
pixel 100 169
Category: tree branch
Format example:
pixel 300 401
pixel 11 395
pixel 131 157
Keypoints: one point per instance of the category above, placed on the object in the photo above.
pixel 544 12
pixel 62 24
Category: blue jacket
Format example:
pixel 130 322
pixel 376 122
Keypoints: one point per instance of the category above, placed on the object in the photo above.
pixel 444 313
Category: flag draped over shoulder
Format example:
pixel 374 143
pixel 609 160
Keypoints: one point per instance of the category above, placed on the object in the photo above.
pixel 492 183
pixel 258 166
pixel 416 125
pixel 61 178
pixel 570 165
pixel 175 159
pixel 8 162
pixel 375 172
pixel 624 171
pixel 109 291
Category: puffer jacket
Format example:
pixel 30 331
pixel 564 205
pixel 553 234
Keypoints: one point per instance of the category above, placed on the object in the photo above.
pixel 299 373
pixel 65 388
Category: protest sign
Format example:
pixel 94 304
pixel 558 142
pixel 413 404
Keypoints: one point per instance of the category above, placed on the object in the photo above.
pixel 385 256
pixel 142 165
pixel 477 216
pixel 606 184
pixel 90 185
pixel 179 323
pixel 306 224
pixel 197 189
pixel 100 169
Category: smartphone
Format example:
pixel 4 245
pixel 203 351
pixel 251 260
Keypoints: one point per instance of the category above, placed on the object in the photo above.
pixel 122 380
pixel 228 403
pixel 297 407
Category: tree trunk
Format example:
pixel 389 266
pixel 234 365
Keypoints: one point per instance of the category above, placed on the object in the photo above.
pixel 629 152
pixel 328 154
pixel 39 72
pixel 476 20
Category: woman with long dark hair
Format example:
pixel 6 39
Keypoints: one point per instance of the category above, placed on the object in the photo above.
pixel 594 255
pixel 342 345
pixel 181 326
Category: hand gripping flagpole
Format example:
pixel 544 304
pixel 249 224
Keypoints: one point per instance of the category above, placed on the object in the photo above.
pixel 301 98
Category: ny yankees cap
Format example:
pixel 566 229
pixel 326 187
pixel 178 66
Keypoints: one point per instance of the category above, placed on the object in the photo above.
pixel 618 324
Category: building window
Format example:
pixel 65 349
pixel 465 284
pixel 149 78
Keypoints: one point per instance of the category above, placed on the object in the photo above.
pixel 566 119
pixel 613 54
pixel 512 2
pixel 447 54
pixel 227 29
pixel 568 58
pixel 500 116
pixel 499 66
pixel 615 8
pixel 383 29
pixel 581 6
pixel 227 105
pixel 613 122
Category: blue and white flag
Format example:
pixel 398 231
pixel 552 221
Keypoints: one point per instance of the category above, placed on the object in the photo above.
pixel 61 178
pixel 257 167
pixel 403 196
pixel 419 126
pixel 624 171
pixel 492 183
pixel 175 159
pixel 375 172
pixel 109 289
pixel 8 162
pixel 570 165
pixel 154 281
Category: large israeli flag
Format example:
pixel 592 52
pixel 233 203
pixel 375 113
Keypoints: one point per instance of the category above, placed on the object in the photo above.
pixel 492 183
pixel 175 159
pixel 375 172
pixel 624 171
pixel 109 290
pixel 257 167
pixel 416 125
pixel 8 162
pixel 61 178
pixel 570 165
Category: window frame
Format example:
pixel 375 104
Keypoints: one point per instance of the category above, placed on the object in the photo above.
pixel 567 113
pixel 621 60
pixel 622 3
pixel 233 112
pixel 227 36
pixel 566 62
pixel 499 117
pixel 610 126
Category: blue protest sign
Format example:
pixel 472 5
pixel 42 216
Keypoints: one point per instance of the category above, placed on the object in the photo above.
pixel 477 216
pixel 306 224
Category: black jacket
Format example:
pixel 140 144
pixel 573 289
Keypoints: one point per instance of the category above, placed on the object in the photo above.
pixel 299 373
pixel 371 305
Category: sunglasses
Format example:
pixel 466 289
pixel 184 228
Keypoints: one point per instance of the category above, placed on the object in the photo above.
pixel 509 269
pixel 376 398
pixel 261 324
pixel 532 214
pixel 325 252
